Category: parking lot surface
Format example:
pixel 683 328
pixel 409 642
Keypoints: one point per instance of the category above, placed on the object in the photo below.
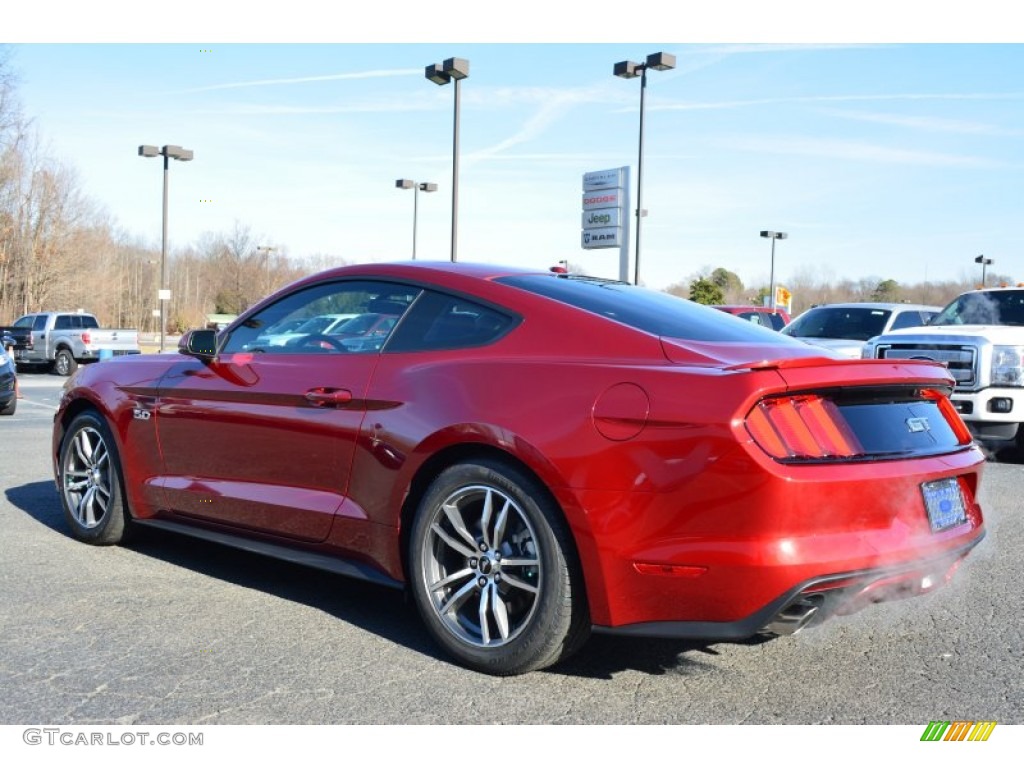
pixel 173 630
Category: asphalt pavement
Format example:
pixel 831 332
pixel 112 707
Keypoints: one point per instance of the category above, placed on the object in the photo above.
pixel 172 630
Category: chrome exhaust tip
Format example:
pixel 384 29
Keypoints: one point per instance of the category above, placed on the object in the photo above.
pixel 792 618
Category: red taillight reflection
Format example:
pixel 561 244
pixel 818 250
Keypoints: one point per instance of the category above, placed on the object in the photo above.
pixel 86 338
pixel 805 427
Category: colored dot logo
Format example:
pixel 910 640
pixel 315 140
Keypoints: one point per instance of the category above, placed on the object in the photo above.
pixel 207 200
pixel 206 50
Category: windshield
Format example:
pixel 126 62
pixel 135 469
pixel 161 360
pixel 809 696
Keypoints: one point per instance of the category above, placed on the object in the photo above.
pixel 850 323
pixel 358 325
pixel 992 308
pixel 314 325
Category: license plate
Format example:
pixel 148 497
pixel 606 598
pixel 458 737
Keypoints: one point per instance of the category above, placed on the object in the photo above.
pixel 944 502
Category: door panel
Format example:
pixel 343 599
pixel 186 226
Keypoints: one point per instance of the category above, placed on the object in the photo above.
pixel 243 446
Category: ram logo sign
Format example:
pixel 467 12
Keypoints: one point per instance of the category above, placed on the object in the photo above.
pixel 601 238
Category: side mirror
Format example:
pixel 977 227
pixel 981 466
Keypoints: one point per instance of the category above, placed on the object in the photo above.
pixel 200 342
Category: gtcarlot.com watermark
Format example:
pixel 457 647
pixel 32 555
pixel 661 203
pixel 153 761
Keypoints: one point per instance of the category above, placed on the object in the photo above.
pixel 81 738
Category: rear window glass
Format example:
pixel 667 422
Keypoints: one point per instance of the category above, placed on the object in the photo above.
pixel 653 311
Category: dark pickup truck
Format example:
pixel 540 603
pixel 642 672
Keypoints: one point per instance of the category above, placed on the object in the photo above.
pixel 15 337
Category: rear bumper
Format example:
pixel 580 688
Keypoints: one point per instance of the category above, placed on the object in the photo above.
pixel 724 552
pixel 813 601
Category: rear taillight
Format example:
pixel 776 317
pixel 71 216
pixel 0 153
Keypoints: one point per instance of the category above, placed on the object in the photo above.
pixel 86 338
pixel 802 427
pixel 949 412
pixel 860 424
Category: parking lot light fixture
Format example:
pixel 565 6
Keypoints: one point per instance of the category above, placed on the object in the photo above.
pixel 265 250
pixel 628 70
pixel 452 70
pixel 416 187
pixel 771 283
pixel 984 263
pixel 168 152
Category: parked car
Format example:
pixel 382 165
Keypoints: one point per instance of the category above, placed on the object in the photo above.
pixel 979 336
pixel 776 319
pixel 8 377
pixel 61 341
pixel 653 468
pixel 843 328
pixel 291 330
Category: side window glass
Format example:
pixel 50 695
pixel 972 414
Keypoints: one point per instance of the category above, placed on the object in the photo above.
pixel 439 321
pixel 63 323
pixel 907 320
pixel 40 323
pixel 355 316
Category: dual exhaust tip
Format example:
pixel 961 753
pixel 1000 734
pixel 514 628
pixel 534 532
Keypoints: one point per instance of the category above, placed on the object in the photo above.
pixel 794 616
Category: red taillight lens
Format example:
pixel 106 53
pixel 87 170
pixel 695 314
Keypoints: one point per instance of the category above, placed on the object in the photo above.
pixel 802 427
pixel 948 410
pixel 86 338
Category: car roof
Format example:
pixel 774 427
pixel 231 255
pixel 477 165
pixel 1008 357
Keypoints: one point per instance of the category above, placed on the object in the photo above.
pixel 749 308
pixel 876 305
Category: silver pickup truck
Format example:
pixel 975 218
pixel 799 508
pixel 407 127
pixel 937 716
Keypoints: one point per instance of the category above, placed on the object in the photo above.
pixel 61 341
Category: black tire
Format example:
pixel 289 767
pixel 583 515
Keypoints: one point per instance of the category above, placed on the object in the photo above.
pixel 89 478
pixel 64 364
pixel 10 408
pixel 493 570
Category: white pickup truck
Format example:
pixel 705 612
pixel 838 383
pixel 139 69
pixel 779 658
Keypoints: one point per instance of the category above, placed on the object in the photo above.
pixel 62 340
pixel 979 337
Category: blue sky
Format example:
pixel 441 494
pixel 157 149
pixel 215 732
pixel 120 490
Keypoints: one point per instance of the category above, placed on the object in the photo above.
pixel 889 155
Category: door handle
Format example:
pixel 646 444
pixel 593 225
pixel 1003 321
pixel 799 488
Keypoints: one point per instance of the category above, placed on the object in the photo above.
pixel 328 396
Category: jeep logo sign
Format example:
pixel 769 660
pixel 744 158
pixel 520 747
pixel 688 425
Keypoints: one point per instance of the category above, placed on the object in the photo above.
pixel 602 217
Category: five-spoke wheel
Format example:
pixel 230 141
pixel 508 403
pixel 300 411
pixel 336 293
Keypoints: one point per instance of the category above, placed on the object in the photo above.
pixel 90 481
pixel 493 570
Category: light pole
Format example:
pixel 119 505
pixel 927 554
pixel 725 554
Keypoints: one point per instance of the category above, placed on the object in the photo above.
pixel 416 188
pixel 984 263
pixel 771 287
pixel 265 250
pixel 168 151
pixel 455 70
pixel 630 69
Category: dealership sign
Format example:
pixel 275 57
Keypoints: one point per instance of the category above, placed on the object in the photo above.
pixel 610 179
pixel 605 237
pixel 603 201
pixel 602 198
pixel 601 217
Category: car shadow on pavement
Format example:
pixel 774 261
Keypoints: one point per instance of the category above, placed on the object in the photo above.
pixel 376 609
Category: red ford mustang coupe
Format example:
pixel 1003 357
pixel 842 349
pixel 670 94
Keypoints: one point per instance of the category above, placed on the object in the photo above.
pixel 534 457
